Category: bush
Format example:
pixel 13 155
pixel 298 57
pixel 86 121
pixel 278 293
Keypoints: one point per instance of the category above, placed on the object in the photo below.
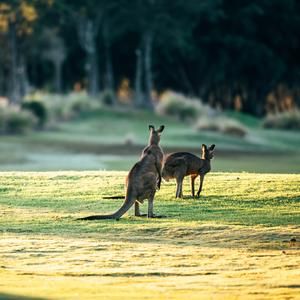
pixel 177 105
pixel 38 109
pixel 223 125
pixel 56 107
pixel 285 120
pixel 107 97
pixel 234 129
pixel 67 107
pixel 16 121
pixel 78 105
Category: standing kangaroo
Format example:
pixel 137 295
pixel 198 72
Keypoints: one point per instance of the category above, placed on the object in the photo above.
pixel 142 180
pixel 180 164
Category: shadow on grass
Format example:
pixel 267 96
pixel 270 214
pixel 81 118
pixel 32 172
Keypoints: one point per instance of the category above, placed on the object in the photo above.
pixel 4 296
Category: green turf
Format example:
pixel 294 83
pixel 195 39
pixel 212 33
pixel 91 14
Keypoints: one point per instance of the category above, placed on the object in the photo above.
pixel 230 243
pixel 78 145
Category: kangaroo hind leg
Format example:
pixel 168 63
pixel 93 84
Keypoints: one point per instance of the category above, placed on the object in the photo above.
pixel 201 184
pixel 137 212
pixel 193 177
pixel 179 181
pixel 150 206
pixel 150 209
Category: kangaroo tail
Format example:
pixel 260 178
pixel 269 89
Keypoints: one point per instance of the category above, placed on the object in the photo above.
pixel 113 197
pixel 129 201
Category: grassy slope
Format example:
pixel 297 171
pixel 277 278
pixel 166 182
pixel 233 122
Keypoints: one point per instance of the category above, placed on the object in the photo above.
pixel 75 145
pixel 232 243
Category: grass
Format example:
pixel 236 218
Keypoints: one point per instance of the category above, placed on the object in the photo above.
pixel 232 243
pixel 97 141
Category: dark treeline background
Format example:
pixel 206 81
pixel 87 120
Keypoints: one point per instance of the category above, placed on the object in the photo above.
pixel 232 54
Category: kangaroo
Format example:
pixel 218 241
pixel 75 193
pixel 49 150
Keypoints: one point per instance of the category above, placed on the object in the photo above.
pixel 180 164
pixel 142 180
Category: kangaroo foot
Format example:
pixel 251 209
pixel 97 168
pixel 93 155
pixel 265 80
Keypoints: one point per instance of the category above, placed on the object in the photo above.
pixel 141 215
pixel 157 216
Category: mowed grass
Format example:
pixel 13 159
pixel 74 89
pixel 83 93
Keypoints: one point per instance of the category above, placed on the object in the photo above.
pixel 232 243
pixel 101 140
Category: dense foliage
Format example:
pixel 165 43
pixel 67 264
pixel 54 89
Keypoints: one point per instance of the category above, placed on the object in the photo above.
pixel 232 54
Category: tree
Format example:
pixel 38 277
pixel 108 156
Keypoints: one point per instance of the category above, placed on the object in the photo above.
pixel 54 51
pixel 88 16
pixel 160 24
pixel 16 23
pixel 219 50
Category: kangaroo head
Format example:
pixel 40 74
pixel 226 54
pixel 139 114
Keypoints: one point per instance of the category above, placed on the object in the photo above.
pixel 155 134
pixel 207 152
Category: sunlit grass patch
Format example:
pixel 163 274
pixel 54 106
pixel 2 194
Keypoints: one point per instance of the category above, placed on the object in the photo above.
pixel 239 240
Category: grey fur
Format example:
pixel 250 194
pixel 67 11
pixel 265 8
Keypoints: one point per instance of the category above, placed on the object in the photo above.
pixel 180 164
pixel 142 180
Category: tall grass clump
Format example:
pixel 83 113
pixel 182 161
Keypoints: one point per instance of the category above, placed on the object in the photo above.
pixel 180 107
pixel 221 124
pixel 67 107
pixel 107 97
pixel 283 120
pixel 38 109
pixel 13 120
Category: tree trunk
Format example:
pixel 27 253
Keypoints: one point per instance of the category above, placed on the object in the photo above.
pixel 109 76
pixel 88 30
pixel 148 40
pixel 138 79
pixel 58 77
pixel 14 84
pixel 93 87
pixel 185 80
pixel 23 77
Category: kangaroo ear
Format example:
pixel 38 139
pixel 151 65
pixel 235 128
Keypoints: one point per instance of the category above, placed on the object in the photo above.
pixel 151 127
pixel 212 147
pixel 161 128
pixel 204 146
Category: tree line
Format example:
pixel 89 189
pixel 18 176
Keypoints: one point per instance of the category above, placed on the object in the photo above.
pixel 232 54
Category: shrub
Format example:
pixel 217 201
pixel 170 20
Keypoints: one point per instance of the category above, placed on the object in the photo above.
pixel 77 103
pixel 285 120
pixel 235 130
pixel 223 125
pixel 107 97
pixel 56 107
pixel 38 109
pixel 16 121
pixel 177 105
pixel 62 107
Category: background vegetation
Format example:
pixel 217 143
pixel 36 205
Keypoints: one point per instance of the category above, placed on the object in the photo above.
pixel 232 54
pixel 80 81
pixel 214 71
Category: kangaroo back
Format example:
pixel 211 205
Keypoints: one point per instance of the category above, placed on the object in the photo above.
pixel 184 163
pixel 142 180
pixel 180 164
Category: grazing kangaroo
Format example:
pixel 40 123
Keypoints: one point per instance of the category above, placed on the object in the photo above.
pixel 180 164
pixel 142 180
